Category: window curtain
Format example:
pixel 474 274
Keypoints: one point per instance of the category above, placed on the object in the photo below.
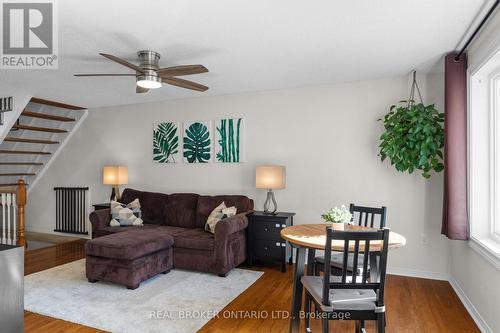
pixel 455 218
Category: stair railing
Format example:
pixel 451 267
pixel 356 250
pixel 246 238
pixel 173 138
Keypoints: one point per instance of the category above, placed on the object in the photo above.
pixel 12 203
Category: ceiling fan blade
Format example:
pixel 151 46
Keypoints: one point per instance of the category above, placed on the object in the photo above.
pixel 83 75
pixel 184 83
pixel 182 70
pixel 141 90
pixel 122 62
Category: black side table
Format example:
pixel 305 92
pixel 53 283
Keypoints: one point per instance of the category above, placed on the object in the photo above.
pixel 264 239
pixel 100 206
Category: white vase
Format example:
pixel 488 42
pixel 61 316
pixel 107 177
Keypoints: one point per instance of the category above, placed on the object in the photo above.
pixel 338 226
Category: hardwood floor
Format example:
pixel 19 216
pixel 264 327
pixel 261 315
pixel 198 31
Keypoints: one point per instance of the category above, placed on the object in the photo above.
pixel 413 305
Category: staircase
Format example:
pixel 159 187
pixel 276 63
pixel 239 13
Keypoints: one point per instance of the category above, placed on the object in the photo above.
pixel 42 129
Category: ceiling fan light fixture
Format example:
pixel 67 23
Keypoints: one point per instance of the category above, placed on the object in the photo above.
pixel 148 82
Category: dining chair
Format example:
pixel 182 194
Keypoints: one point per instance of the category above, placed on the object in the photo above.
pixel 373 217
pixel 350 296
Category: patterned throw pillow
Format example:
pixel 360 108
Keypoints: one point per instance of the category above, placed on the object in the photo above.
pixel 123 215
pixel 220 212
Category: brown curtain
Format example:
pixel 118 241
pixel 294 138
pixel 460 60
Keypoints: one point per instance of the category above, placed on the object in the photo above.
pixel 455 219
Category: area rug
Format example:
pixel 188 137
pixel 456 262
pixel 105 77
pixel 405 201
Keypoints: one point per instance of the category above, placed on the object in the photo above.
pixel 180 301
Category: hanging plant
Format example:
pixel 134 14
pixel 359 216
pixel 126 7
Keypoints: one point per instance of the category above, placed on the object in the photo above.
pixel 414 136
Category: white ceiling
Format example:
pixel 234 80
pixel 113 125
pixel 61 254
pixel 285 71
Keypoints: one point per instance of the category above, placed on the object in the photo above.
pixel 247 45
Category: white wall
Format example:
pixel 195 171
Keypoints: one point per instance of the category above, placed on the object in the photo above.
pixel 327 136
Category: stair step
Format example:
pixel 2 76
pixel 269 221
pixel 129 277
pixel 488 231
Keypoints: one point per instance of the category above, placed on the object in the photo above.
pixel 29 152
pixel 46 116
pixel 39 129
pixel 21 163
pixel 48 142
pixel 11 184
pixel 17 174
pixel 55 104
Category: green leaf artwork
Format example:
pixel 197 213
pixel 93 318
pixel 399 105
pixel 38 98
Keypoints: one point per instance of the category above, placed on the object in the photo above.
pixel 197 143
pixel 165 142
pixel 413 138
pixel 229 140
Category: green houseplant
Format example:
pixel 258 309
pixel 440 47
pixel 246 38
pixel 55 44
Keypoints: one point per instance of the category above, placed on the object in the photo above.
pixel 414 136
pixel 338 216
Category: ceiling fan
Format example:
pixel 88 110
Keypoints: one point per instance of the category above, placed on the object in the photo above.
pixel 149 75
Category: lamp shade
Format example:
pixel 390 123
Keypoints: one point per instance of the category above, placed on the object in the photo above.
pixel 271 177
pixel 115 175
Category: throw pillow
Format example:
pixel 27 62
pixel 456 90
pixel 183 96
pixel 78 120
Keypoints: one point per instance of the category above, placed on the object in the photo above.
pixel 125 215
pixel 219 213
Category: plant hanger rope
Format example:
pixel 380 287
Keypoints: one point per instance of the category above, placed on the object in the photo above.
pixel 411 99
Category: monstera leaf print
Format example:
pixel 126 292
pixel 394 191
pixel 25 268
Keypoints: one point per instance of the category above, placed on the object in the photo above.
pixel 165 143
pixel 197 143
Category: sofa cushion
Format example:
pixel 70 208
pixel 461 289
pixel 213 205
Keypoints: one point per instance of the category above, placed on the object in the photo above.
pixel 152 204
pixel 180 210
pixel 169 230
pixel 113 230
pixel 206 204
pixel 197 239
pixel 128 245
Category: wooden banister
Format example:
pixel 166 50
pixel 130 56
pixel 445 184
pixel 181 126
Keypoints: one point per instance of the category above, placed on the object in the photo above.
pixel 21 203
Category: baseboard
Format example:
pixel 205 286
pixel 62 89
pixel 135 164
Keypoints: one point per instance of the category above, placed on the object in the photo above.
pixel 418 273
pixel 480 322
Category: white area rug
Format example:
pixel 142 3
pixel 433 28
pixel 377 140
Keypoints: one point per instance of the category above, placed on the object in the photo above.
pixel 160 304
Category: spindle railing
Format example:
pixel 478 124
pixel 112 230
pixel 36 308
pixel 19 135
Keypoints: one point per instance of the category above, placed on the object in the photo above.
pixel 12 203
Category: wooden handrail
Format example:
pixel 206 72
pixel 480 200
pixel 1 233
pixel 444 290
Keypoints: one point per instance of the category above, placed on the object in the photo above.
pixel 21 221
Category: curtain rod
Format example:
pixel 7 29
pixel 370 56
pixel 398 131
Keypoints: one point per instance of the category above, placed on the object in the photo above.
pixel 471 38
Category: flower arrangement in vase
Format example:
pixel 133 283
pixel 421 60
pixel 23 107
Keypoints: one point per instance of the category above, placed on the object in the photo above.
pixel 339 217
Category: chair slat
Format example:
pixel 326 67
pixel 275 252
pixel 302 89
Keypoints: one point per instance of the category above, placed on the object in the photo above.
pixel 355 261
pixel 345 261
pixel 366 254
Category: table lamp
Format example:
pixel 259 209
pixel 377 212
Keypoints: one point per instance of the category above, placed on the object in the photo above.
pixel 270 177
pixel 115 175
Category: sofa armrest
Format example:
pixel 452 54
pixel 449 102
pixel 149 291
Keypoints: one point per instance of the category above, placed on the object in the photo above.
pixel 231 225
pixel 100 219
pixel 230 243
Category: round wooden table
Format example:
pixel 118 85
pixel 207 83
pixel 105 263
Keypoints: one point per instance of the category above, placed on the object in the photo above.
pixel 312 237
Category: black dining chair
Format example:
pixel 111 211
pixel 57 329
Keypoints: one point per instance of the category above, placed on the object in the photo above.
pixel 350 296
pixel 372 217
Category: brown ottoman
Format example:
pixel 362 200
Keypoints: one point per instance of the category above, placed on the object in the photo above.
pixel 129 257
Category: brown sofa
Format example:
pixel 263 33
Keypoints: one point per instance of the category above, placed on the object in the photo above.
pixel 183 217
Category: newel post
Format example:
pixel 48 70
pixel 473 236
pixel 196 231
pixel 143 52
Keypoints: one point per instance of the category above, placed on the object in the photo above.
pixel 21 202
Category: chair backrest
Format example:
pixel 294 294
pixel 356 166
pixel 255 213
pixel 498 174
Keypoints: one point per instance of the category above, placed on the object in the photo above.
pixel 366 215
pixel 358 242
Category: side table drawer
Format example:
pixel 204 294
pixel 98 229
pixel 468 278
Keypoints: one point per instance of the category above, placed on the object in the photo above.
pixel 267 230
pixel 268 248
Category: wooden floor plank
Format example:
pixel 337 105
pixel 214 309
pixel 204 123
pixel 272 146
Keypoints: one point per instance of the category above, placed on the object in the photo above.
pixel 414 305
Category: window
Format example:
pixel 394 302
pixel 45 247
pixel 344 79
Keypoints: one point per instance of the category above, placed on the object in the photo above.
pixel 484 159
